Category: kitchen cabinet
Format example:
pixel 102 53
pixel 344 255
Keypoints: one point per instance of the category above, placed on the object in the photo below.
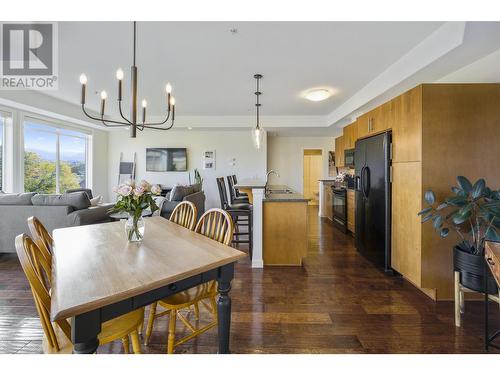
pixel 350 135
pixel 351 211
pixel 375 121
pixel 339 151
pixel 439 131
pixel 407 126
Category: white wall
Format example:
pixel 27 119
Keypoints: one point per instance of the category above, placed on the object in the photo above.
pixel 285 155
pixel 249 162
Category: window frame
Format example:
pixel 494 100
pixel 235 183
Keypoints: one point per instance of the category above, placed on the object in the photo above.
pixel 59 128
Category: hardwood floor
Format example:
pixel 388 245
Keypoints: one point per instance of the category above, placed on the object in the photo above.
pixel 336 303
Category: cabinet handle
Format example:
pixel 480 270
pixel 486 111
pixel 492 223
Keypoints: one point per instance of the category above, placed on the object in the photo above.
pixel 490 261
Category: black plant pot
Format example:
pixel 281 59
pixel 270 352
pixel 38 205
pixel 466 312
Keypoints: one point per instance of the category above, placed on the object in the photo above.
pixel 471 268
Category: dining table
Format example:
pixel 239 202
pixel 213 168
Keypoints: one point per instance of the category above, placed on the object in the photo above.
pixel 99 275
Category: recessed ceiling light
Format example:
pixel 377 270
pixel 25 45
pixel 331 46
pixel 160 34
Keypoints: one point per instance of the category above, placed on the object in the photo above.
pixel 317 95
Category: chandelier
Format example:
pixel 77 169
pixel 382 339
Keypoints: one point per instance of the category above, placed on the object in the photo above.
pixel 132 122
pixel 257 132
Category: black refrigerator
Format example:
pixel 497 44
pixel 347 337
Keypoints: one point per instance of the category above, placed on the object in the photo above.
pixel 373 199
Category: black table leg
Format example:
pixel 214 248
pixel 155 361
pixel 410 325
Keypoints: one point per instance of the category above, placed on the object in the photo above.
pixel 225 275
pixel 84 330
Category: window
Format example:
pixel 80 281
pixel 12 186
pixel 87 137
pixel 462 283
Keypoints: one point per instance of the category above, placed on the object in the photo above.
pixel 55 158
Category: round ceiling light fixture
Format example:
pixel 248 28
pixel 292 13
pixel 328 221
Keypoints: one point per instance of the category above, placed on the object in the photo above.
pixel 317 95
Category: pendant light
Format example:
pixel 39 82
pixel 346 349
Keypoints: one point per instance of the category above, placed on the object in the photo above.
pixel 258 132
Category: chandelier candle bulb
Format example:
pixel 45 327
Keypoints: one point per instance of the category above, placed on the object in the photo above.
pixel 104 95
pixel 83 81
pixel 144 105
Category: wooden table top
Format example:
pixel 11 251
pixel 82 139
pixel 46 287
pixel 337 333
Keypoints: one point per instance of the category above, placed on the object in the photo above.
pixel 95 265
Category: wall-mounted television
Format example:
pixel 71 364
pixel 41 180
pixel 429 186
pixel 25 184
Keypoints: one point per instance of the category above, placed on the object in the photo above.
pixel 166 160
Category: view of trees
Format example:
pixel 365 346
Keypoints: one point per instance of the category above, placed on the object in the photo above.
pixel 40 175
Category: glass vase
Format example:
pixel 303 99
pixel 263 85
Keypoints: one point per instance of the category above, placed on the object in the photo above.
pixel 134 228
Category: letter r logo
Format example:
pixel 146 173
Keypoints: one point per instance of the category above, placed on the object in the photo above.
pixel 27 49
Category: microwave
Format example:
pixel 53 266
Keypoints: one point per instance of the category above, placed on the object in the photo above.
pixel 349 158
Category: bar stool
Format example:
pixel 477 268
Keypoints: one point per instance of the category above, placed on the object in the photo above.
pixel 238 211
pixel 233 193
pixel 238 193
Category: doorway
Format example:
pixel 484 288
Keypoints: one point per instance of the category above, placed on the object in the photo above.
pixel 313 166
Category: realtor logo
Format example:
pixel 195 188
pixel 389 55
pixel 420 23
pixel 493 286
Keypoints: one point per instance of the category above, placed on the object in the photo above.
pixel 29 56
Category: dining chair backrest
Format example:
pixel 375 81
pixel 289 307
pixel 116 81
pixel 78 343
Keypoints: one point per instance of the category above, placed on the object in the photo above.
pixel 216 224
pixel 221 185
pixel 35 266
pixel 185 214
pixel 232 190
pixel 41 237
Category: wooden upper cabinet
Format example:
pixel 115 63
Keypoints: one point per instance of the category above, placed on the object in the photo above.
pixel 407 129
pixel 350 135
pixel 376 121
pixel 339 151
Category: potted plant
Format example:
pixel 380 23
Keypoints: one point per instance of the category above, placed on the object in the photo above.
pixel 197 177
pixel 473 213
pixel 133 199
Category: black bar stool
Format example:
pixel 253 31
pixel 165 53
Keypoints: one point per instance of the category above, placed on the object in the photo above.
pixel 238 211
pixel 233 193
pixel 238 193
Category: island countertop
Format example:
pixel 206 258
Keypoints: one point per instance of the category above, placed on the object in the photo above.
pixel 283 197
pixel 250 184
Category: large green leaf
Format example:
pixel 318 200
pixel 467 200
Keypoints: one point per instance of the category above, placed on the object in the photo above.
pixel 430 197
pixel 464 184
pixel 426 217
pixel 424 211
pixel 478 188
pixel 460 218
pixel 456 201
pixel 444 232
pixel 437 221
pixel 441 206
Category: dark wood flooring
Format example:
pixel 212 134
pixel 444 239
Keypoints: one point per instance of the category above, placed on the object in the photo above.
pixel 336 303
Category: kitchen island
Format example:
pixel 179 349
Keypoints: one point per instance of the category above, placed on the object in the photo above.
pixel 285 227
pixel 279 223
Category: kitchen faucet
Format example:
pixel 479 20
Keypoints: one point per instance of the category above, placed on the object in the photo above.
pixel 272 171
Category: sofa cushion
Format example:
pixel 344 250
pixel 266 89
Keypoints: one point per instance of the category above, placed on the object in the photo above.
pixel 22 199
pixel 77 200
pixel 179 192
pixel 88 191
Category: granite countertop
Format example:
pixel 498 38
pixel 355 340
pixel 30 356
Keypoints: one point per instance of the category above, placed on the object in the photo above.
pixel 250 184
pixel 327 180
pixel 284 197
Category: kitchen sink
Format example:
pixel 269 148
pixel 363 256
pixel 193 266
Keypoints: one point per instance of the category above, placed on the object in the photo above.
pixel 280 191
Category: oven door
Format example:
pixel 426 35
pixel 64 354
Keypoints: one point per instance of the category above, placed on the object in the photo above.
pixel 339 208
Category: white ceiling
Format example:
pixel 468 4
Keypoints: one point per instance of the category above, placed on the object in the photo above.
pixel 212 69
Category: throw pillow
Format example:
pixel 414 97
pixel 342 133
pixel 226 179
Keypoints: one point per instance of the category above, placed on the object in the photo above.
pixel 96 201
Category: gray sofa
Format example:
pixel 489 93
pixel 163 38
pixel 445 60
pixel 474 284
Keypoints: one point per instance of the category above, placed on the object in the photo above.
pixel 192 193
pixel 54 211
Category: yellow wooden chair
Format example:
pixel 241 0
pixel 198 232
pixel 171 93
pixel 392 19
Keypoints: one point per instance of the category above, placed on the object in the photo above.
pixel 57 338
pixel 218 225
pixel 184 214
pixel 42 239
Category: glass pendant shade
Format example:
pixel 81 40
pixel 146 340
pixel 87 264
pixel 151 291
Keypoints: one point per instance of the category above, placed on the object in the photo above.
pixel 257 136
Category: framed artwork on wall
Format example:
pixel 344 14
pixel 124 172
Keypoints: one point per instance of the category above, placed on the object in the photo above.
pixel 209 159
